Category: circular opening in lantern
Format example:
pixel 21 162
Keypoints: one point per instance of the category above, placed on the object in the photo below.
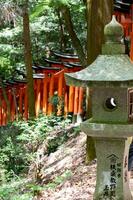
pixel 110 104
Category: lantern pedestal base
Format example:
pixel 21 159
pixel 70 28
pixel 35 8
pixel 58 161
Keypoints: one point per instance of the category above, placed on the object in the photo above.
pixel 112 169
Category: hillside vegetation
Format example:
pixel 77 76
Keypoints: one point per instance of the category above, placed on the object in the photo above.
pixel 40 157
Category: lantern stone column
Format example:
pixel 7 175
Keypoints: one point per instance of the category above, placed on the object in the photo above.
pixel 112 159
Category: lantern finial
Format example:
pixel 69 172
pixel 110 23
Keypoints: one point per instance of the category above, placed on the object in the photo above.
pixel 113 31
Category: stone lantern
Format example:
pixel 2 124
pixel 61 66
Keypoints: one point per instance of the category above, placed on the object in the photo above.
pixel 110 76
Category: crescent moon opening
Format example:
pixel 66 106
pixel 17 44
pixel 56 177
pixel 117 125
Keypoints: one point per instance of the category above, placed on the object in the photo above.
pixel 112 101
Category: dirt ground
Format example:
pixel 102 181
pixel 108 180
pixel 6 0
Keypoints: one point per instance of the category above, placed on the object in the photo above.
pixel 65 174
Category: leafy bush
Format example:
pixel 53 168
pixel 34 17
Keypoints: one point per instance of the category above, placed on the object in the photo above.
pixel 5 67
pixel 20 141
pixel 18 146
pixel 15 190
pixel 20 189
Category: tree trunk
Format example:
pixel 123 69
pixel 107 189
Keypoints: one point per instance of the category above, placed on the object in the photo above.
pixel 28 60
pixel 95 25
pixel 108 8
pixel 61 29
pixel 75 41
pixel 95 36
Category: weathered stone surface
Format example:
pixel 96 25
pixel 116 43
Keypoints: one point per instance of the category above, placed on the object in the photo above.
pixel 113 31
pixel 107 130
pixel 112 49
pixel 105 71
pixel 112 173
pixel 101 113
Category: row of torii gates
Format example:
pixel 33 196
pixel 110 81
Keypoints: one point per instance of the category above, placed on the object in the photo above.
pixel 51 92
pixel 49 87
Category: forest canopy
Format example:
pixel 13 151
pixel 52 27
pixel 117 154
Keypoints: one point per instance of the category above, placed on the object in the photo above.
pixel 48 31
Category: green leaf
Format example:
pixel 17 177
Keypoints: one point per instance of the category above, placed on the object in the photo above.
pixel 39 9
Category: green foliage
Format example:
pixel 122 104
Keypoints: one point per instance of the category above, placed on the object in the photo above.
pixel 76 131
pixel 15 190
pixel 45 30
pixel 59 3
pixel 5 68
pixel 39 9
pixel 18 146
pixel 58 180
pixel 54 143
pixel 11 50
pixel 19 143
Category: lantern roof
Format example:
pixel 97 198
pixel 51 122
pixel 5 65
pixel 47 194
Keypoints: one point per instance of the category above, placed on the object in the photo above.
pixel 111 69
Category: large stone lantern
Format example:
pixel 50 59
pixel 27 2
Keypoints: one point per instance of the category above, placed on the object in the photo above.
pixel 110 76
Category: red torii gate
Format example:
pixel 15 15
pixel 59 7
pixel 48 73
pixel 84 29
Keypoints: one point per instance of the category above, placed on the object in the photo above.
pixel 47 82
